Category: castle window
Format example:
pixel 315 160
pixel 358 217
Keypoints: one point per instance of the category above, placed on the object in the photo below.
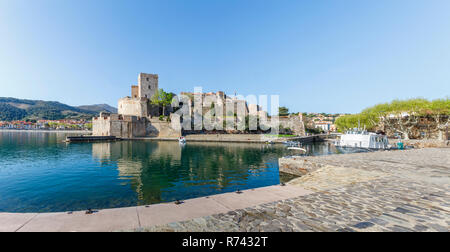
pixel 148 79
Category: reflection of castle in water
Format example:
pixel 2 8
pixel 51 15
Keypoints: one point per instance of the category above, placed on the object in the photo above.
pixel 131 159
pixel 157 168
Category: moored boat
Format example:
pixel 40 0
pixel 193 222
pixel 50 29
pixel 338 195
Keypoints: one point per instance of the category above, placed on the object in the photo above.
pixel 363 139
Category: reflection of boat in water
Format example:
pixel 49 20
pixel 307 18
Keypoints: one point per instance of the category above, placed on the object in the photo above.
pixel 182 140
pixel 296 148
pixel 292 145
pixel 363 139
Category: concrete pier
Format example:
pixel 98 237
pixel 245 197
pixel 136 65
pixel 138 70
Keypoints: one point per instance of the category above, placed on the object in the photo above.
pixel 81 139
pixel 134 218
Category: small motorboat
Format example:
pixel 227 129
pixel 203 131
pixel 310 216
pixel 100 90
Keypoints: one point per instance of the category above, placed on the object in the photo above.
pixel 182 140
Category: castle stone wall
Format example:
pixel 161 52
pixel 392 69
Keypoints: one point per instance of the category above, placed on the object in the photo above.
pixel 133 107
pixel 294 123
pixel 119 126
pixel 157 128
pixel 134 91
pixel 101 125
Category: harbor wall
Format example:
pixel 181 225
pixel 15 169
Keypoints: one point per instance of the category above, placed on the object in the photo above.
pixel 257 138
pixel 119 126
pixel 157 128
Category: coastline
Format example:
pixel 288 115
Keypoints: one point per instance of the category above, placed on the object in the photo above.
pixel 136 217
pixel 48 131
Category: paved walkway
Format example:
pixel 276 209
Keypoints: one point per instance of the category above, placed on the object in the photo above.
pixel 380 191
pixel 132 218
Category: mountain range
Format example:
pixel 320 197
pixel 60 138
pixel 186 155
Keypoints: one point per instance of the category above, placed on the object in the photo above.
pixel 22 109
pixel 99 108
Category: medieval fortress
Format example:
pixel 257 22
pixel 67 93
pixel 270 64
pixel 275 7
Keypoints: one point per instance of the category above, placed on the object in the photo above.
pixel 138 117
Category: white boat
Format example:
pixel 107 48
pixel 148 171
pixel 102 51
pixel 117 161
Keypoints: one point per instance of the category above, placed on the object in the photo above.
pixel 182 140
pixel 363 139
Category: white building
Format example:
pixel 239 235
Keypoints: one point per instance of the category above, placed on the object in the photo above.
pixel 325 126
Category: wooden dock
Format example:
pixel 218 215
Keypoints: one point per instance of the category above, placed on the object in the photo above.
pixel 80 139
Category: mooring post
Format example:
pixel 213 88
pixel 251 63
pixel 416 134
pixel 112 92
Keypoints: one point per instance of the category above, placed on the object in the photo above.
pixel 446 133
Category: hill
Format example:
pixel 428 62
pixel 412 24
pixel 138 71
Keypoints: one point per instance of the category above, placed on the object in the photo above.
pixel 21 109
pixel 97 108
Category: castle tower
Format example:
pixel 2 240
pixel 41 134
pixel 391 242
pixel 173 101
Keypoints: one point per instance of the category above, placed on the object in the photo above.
pixel 147 85
pixel 134 91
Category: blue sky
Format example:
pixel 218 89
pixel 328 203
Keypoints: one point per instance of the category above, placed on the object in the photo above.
pixel 319 56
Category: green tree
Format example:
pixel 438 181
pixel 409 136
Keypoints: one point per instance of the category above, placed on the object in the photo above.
pixel 399 115
pixel 162 99
pixel 283 111
pixel 88 126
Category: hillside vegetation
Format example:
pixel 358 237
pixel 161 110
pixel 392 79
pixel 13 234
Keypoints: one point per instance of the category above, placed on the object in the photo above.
pixel 400 116
pixel 20 109
pixel 97 108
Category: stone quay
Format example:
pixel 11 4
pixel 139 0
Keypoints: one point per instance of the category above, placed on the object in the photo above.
pixel 400 191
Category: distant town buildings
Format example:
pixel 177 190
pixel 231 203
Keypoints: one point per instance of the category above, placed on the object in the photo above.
pixel 47 125
pixel 322 121
pixel 325 126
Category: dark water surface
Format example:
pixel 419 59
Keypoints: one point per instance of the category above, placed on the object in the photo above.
pixel 40 173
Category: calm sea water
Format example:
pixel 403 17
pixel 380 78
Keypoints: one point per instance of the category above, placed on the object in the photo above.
pixel 40 173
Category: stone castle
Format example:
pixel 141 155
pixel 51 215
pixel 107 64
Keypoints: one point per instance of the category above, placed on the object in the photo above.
pixel 138 104
pixel 137 117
